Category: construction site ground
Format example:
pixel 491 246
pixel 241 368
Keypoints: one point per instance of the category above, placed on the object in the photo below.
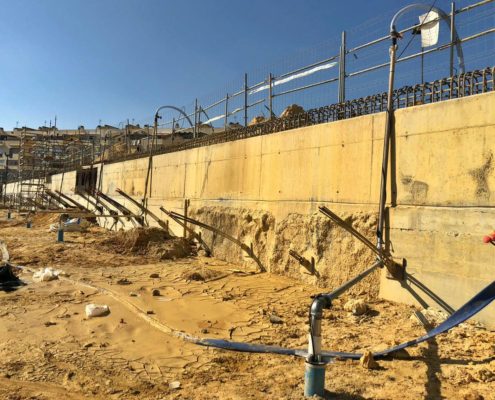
pixel 50 350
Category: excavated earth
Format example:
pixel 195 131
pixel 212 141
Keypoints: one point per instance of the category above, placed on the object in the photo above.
pixel 49 349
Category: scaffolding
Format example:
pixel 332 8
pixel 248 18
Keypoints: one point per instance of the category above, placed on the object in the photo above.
pixel 43 153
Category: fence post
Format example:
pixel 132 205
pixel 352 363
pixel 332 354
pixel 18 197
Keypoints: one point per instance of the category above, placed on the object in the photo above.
pixel 127 137
pixel 342 68
pixel 186 211
pixel 245 99
pixel 195 129
pixel 452 37
pixel 226 111
pixel 270 94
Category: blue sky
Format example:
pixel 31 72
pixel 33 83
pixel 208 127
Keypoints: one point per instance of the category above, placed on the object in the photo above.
pixel 108 60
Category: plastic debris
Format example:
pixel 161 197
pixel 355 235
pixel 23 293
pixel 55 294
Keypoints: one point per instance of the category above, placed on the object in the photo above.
pixel 72 225
pixel 47 274
pixel 97 310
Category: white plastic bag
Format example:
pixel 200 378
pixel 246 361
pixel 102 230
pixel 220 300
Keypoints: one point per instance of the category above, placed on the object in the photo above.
pixel 46 274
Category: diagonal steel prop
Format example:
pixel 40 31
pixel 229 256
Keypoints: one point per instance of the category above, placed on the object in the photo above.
pixel 74 202
pixel 247 249
pixel 48 200
pixel 340 222
pixel 105 206
pixel 97 194
pixel 58 199
pixel 144 210
pixel 86 197
pixel 396 270
pixel 191 231
pixel 124 210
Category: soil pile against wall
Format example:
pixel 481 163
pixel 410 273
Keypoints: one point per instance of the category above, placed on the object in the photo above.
pixel 337 255
pixel 151 242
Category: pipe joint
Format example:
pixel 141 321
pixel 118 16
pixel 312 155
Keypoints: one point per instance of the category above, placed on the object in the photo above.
pixel 320 302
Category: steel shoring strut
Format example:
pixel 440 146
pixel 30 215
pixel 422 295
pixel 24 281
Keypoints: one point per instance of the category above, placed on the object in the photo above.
pixel 340 222
pixel 58 199
pixel 249 251
pixel 89 201
pixel 124 210
pixel 51 205
pixel 106 207
pixel 191 231
pixel 144 209
pixel 74 202
pixel 107 200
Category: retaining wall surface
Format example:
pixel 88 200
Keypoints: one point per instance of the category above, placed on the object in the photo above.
pixel 266 190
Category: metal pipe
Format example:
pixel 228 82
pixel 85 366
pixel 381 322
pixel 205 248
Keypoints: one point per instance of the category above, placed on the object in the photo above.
pixel 186 212
pixel 245 100
pixel 270 94
pixel 195 129
pixel 60 231
pixel 452 37
pixel 386 145
pixel 256 103
pixel 191 231
pixel 342 69
pixel 143 209
pixel 247 249
pixel 475 5
pixel 226 112
pixel 314 377
pixel 438 48
pixel 346 286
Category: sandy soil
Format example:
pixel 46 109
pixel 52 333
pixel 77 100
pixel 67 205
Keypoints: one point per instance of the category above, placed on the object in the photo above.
pixel 50 350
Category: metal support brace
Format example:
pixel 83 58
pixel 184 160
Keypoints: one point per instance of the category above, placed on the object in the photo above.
pixel 249 251
pixel 308 264
pixel 191 231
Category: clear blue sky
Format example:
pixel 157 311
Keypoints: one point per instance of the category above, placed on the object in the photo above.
pixel 86 60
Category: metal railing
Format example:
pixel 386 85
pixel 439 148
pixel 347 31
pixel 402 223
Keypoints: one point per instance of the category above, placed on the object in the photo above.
pixel 265 93
pixel 467 84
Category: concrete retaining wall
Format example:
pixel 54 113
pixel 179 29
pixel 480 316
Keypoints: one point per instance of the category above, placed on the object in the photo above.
pixel 266 190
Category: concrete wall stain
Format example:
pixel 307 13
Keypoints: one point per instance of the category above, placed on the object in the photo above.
pixel 418 190
pixel 480 177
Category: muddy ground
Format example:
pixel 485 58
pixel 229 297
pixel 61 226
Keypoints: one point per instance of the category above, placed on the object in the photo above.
pixel 49 349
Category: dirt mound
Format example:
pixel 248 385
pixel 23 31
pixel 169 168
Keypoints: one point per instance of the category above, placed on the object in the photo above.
pixel 152 242
pixel 291 111
pixel 257 120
